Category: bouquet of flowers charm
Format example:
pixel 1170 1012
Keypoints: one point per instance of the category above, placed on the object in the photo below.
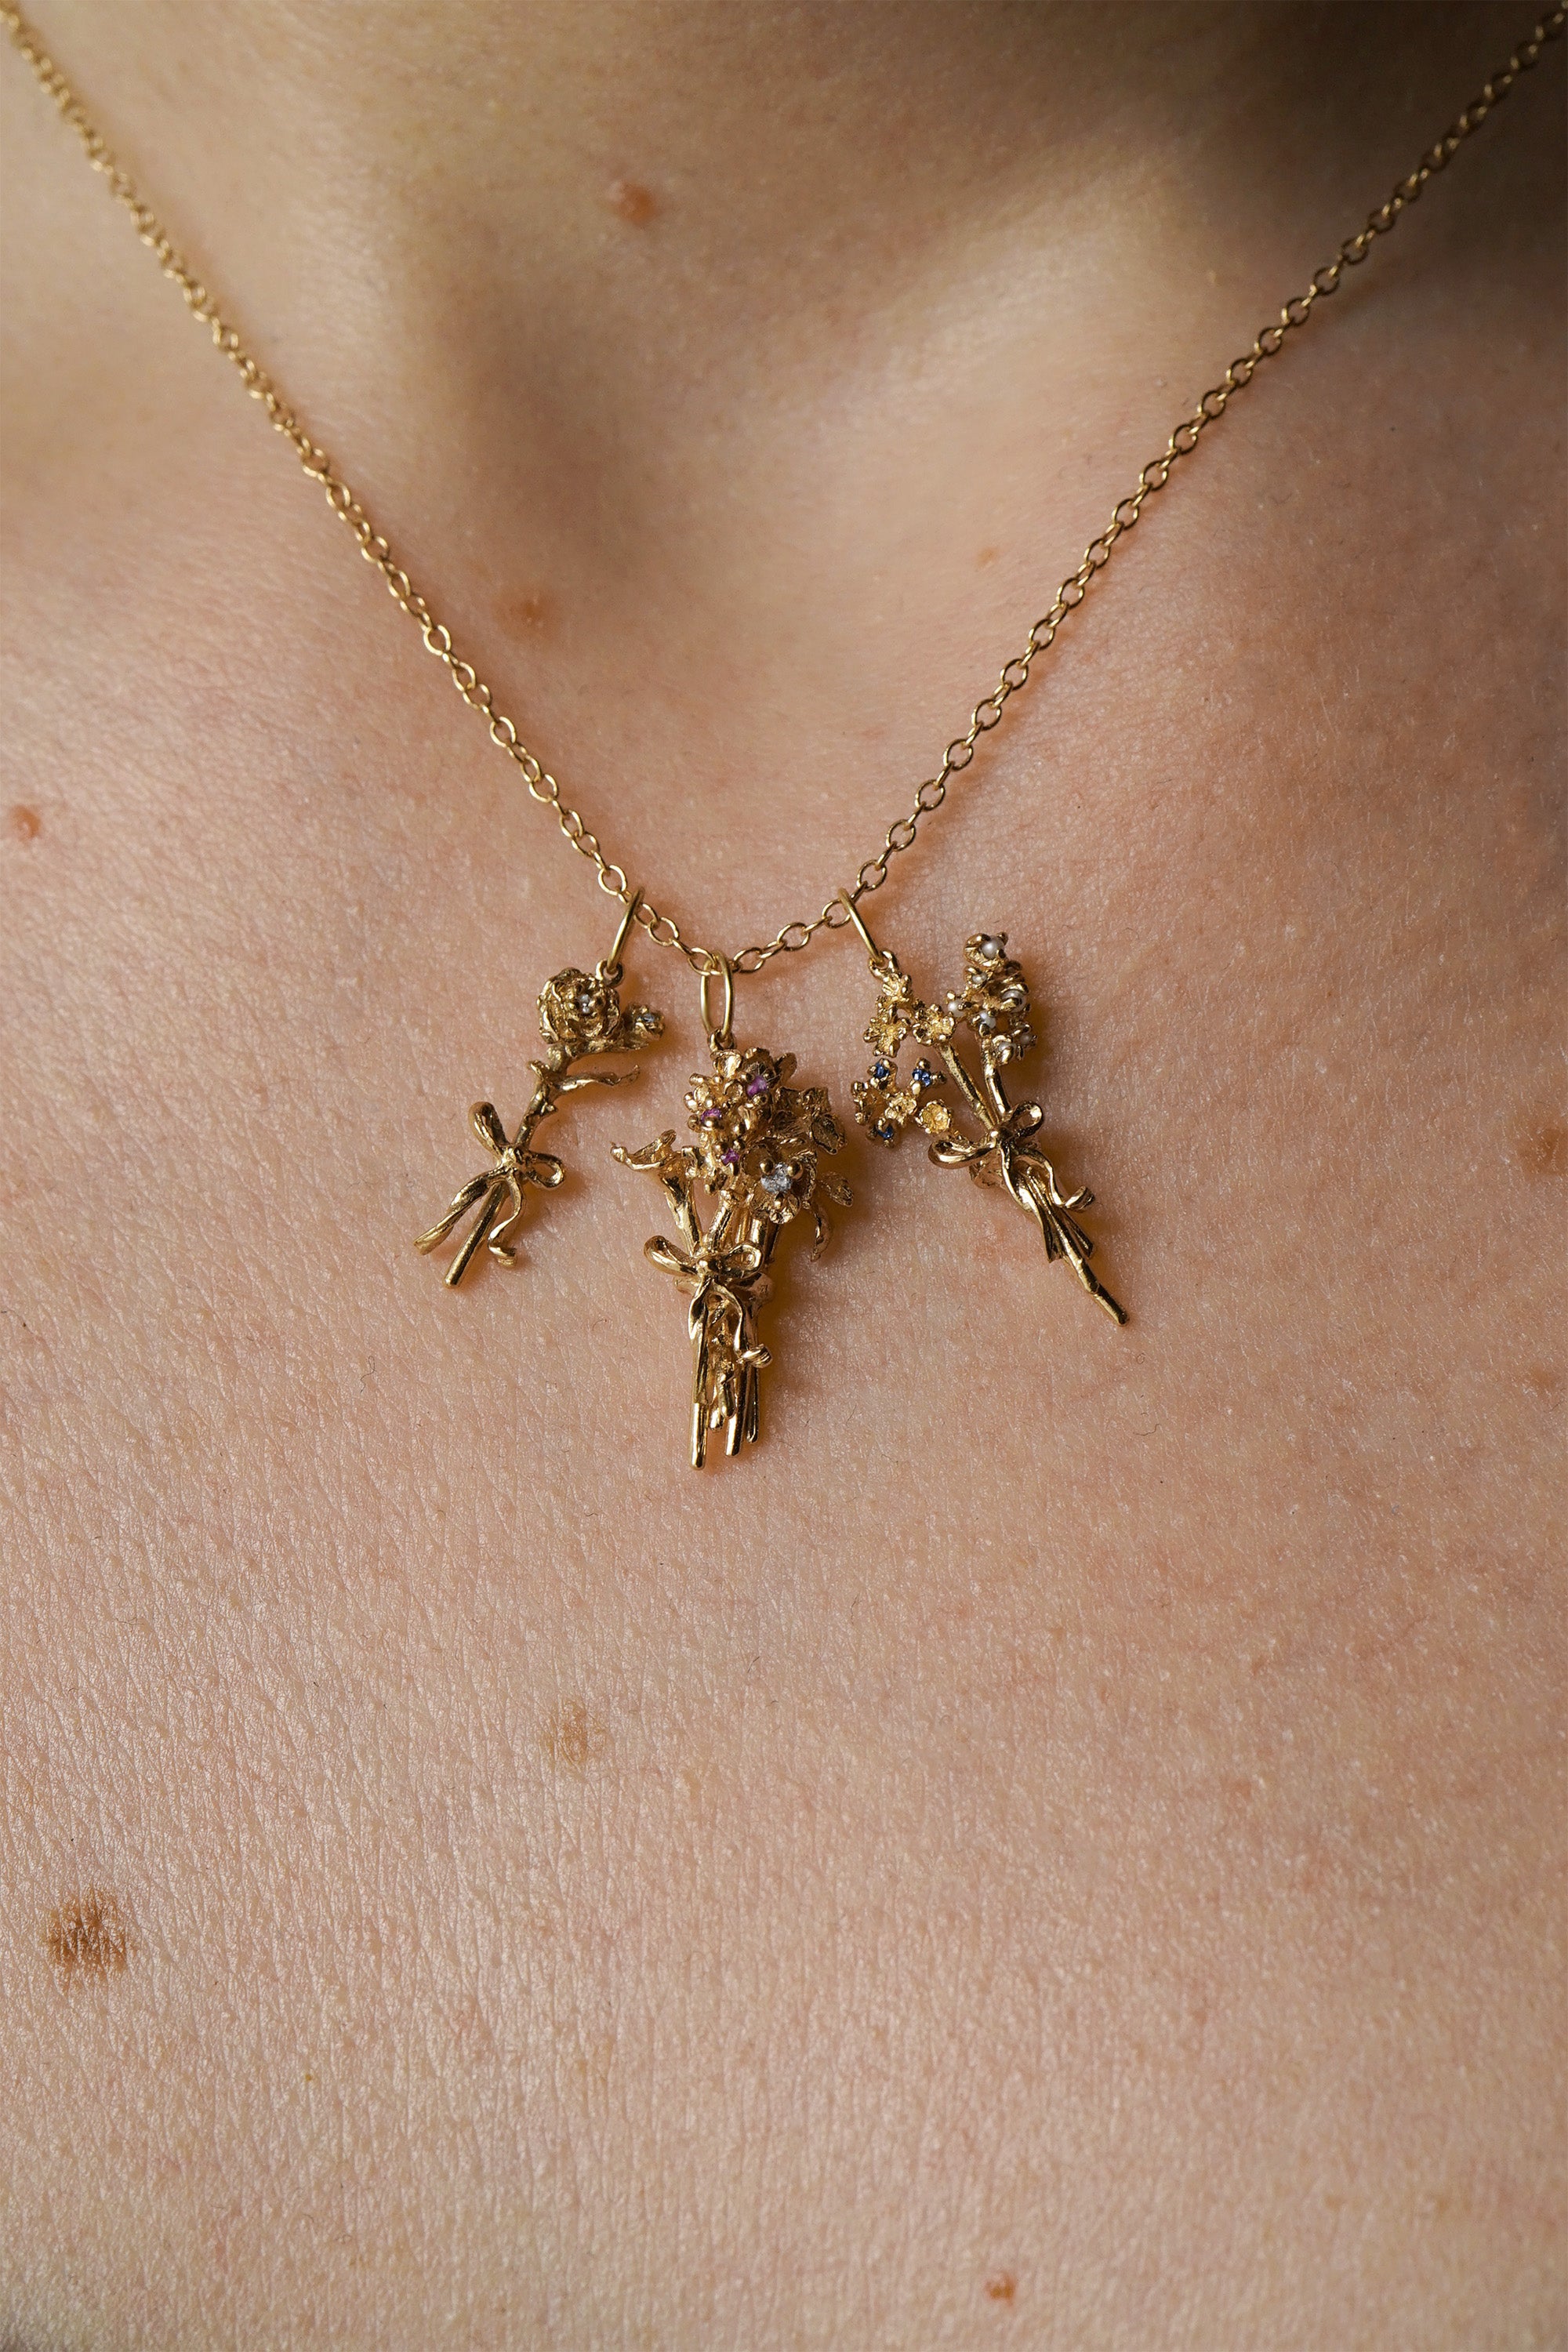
pixel 759 1146
pixel 580 1016
pixel 993 1005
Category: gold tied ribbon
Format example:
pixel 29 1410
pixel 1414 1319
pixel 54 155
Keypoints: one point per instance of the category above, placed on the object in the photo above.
pixel 1003 1155
pixel 502 1185
pixel 725 1291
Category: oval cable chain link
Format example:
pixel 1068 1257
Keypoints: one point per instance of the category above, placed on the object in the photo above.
pixel 1015 676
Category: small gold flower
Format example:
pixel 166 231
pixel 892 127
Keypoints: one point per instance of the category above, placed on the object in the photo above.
pixel 787 1185
pixel 742 1100
pixel 784 1186
pixel 758 1145
pixel 583 1015
pixel 886 1100
pixel 994 999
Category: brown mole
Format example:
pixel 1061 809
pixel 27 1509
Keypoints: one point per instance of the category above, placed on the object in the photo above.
pixel 88 1936
pixel 1002 2287
pixel 24 823
pixel 631 202
pixel 1543 1150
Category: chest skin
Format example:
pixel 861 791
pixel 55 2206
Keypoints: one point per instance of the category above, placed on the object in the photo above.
pixel 1051 1840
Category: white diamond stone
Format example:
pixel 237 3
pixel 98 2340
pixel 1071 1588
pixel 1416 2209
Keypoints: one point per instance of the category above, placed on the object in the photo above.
pixel 776 1180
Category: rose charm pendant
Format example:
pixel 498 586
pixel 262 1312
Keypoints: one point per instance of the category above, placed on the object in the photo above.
pixel 993 1005
pixel 759 1145
pixel 579 1015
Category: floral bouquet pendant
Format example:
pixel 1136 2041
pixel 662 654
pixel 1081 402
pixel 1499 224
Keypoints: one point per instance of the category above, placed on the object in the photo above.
pixel 579 1017
pixel 993 1005
pixel 758 1147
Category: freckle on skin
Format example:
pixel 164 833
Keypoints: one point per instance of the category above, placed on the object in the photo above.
pixel 572 1737
pixel 631 202
pixel 87 1936
pixel 986 555
pixel 524 614
pixel 24 823
pixel 1002 2287
pixel 1543 1150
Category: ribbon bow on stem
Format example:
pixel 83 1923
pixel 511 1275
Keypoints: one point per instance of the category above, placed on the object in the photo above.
pixel 758 1146
pixel 516 1166
pixel 727 1285
pixel 581 1017
pixel 1002 1155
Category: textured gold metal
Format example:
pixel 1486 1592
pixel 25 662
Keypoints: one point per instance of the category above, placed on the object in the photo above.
pixel 723 970
pixel 759 1147
pixel 579 1015
pixel 1015 675
pixel 994 1007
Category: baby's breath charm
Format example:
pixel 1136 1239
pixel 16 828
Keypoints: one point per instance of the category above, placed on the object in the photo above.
pixel 759 1144
pixel 994 1007
pixel 580 1015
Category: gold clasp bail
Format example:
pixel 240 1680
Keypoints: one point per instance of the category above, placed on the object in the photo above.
pixel 719 967
pixel 882 958
pixel 610 967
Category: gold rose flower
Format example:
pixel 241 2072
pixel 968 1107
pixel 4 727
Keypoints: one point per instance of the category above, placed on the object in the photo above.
pixel 581 1013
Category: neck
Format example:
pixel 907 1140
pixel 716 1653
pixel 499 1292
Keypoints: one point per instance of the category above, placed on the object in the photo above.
pixel 616 210
pixel 678 347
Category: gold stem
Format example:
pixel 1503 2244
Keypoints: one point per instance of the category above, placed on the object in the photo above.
pixel 476 1231
pixel 971 1094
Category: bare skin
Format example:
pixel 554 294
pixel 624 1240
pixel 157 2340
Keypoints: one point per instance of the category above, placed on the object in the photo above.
pixel 1054 1848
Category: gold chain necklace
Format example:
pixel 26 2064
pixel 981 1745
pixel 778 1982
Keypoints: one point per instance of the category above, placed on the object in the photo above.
pixel 759 1141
